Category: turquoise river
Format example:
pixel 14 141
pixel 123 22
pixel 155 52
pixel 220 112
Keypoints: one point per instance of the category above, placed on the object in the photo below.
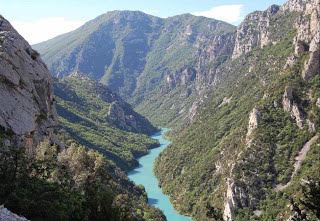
pixel 144 175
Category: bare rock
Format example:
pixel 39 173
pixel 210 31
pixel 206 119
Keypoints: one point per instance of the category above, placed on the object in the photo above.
pixel 230 203
pixel 6 215
pixel 193 110
pixel 225 100
pixel 182 77
pixel 292 108
pixel 297 115
pixel 117 114
pixel 290 62
pixel 318 103
pixel 254 119
pixel 122 115
pixel 28 111
pixel 312 65
pixel 293 6
pixel 236 197
pixel 253 31
pixel 311 126
pixel 299 47
pixel 287 99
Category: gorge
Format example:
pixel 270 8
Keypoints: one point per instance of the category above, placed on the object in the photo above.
pixel 243 104
pixel 144 175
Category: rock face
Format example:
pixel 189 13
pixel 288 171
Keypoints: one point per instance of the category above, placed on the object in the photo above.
pixel 253 31
pixel 292 108
pixel 312 65
pixel 254 118
pixel 293 6
pixel 308 37
pixel 119 115
pixel 318 103
pixel 290 62
pixel 6 215
pixel 230 202
pixel 28 112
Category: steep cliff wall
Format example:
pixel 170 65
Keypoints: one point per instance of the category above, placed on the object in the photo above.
pixel 28 112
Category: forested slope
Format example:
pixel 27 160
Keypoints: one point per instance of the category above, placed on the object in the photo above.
pixel 241 149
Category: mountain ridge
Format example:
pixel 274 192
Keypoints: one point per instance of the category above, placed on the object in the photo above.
pixel 242 104
pixel 136 56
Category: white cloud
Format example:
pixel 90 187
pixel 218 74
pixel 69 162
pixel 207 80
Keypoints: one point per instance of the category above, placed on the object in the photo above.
pixel 228 13
pixel 44 29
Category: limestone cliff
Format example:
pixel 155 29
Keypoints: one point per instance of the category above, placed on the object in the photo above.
pixel 256 29
pixel 253 31
pixel 27 114
pixel 308 27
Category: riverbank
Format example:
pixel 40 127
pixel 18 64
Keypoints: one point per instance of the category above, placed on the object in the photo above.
pixel 144 175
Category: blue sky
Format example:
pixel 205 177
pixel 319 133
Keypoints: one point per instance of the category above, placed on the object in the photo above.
pixel 39 20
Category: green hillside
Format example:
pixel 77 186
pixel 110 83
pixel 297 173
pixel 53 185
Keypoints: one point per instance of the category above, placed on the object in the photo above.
pixel 217 155
pixel 84 108
pixel 151 62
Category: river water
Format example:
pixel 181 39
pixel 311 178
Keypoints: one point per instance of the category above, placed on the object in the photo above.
pixel 144 175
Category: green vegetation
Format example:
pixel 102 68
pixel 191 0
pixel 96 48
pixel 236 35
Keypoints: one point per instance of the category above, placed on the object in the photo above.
pixel 83 106
pixel 194 169
pixel 71 185
pixel 151 63
pixel 133 53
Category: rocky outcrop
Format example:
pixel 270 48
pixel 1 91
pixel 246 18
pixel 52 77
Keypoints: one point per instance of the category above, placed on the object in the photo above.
pixel 287 99
pixel 236 197
pixel 291 107
pixel 123 116
pixel 6 215
pixel 253 31
pixel 299 46
pixel 290 61
pixel 312 65
pixel 254 119
pixel 182 77
pixel 230 203
pixel 308 37
pixel 117 115
pixel 28 112
pixel 318 103
pixel 292 6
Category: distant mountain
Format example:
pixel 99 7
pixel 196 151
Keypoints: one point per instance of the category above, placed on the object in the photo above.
pixel 151 62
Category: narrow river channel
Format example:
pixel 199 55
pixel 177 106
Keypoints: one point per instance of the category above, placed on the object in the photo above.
pixel 144 175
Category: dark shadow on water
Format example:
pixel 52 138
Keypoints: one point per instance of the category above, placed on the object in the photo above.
pixel 157 134
pixel 153 201
pixel 135 171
